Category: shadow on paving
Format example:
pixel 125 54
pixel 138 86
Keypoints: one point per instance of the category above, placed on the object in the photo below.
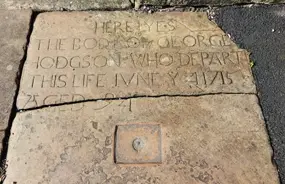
pixel 261 30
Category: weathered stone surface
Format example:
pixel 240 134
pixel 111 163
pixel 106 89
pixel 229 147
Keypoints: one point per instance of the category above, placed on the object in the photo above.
pixel 13 37
pixel 64 4
pixel 116 4
pixel 247 25
pixel 138 143
pixel 96 55
pixel 208 139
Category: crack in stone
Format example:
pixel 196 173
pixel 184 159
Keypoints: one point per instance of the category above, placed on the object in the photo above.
pixel 127 98
pixel 13 112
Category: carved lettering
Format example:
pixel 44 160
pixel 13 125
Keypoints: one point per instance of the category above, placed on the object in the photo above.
pixel 100 80
pixel 136 79
pixel 31 101
pixel 173 76
pixel 127 81
pixel 165 26
pixel 51 44
pixel 132 56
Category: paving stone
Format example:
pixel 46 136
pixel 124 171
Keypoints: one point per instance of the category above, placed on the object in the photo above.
pixel 65 4
pixel 13 37
pixel 80 56
pixel 48 5
pixel 246 26
pixel 207 139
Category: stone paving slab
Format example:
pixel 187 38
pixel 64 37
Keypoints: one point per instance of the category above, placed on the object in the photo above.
pixel 65 4
pixel 48 5
pixel 247 26
pixel 81 56
pixel 14 28
pixel 207 139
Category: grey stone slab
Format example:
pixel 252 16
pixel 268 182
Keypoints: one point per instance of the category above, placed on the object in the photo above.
pixel 77 56
pixel 207 139
pixel 14 28
pixel 261 30
pixel 65 4
pixel 116 4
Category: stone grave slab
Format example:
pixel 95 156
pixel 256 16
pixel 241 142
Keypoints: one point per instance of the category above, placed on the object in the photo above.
pixel 78 56
pixel 213 139
pixel 13 38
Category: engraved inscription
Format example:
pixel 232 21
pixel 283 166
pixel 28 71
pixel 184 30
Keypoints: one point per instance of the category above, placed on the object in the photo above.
pixel 140 56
